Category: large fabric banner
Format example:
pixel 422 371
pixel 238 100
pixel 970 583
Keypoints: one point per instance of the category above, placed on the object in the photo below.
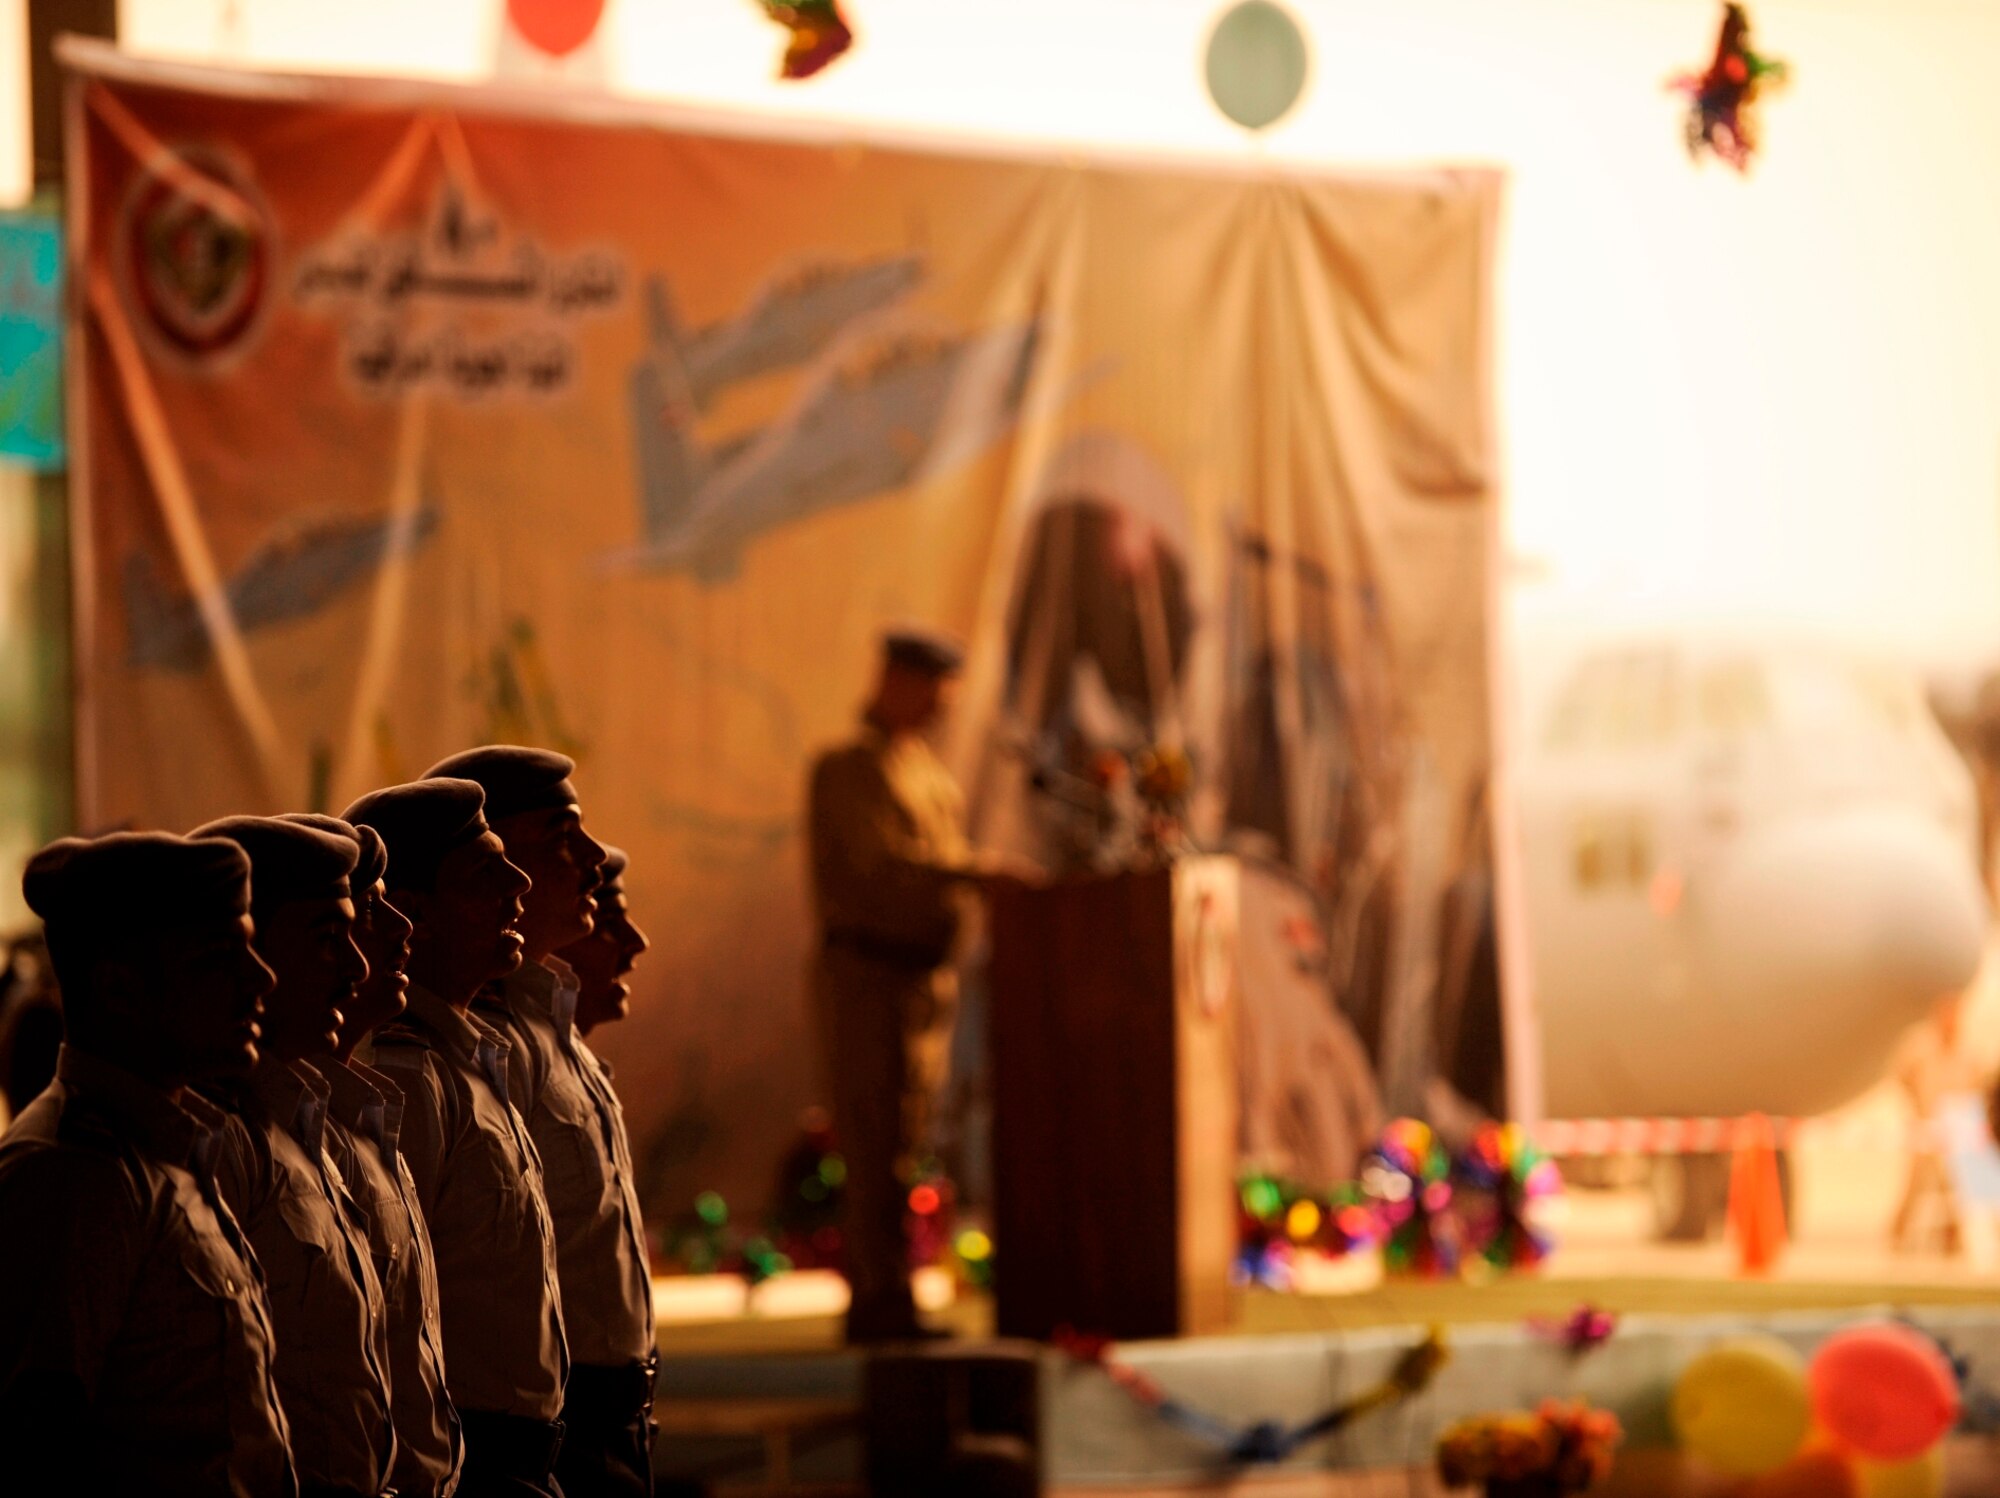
pixel 412 418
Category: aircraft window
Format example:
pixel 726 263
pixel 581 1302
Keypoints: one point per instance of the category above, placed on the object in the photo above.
pixel 1590 854
pixel 1626 701
pixel 1734 697
pixel 1611 849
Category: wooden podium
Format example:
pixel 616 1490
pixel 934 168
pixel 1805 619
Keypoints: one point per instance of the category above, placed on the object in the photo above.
pixel 1115 1109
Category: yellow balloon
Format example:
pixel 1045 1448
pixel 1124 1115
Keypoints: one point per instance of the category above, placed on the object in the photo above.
pixel 1922 1478
pixel 1742 1406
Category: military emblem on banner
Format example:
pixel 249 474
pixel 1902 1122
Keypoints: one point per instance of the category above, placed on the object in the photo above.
pixel 195 251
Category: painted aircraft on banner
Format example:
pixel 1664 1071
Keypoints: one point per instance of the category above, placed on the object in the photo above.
pixel 284 579
pixel 1750 867
pixel 788 323
pixel 874 414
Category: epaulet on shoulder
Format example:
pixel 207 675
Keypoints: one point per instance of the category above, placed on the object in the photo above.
pixel 89 1129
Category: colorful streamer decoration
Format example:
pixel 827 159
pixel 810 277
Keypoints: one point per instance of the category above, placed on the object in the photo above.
pixel 1722 115
pixel 1407 1176
pixel 1263 1442
pixel 819 34
pixel 1501 1178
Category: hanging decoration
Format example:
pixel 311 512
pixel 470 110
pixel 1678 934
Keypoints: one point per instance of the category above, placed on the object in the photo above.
pixel 1585 1329
pixel 555 27
pixel 819 34
pixel 1256 64
pixel 1501 1180
pixel 1263 1442
pixel 1722 114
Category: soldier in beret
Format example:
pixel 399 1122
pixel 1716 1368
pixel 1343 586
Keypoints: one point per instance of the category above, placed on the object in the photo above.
pixel 364 1131
pixel 281 1180
pixel 478 1177
pixel 565 1094
pixel 135 1338
pixel 603 959
pixel 891 873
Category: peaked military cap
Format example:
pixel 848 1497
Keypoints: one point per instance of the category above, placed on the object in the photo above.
pixel 420 823
pixel 928 651
pixel 132 882
pixel 374 860
pixel 288 860
pixel 515 779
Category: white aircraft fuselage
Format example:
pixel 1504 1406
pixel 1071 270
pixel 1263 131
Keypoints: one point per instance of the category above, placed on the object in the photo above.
pixel 1750 867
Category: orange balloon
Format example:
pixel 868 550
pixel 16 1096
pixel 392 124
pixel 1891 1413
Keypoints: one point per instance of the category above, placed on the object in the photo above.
pixel 557 27
pixel 1815 1473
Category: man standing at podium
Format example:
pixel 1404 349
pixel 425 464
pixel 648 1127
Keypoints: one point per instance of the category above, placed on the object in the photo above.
pixel 891 873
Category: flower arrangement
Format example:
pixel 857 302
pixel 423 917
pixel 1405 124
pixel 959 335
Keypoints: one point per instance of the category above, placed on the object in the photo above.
pixel 1561 1448
pixel 1114 808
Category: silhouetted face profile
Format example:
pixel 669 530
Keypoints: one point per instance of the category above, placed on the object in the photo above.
pixel 198 1002
pixel 563 864
pixel 910 700
pixel 466 932
pixel 603 960
pixel 383 934
pixel 309 945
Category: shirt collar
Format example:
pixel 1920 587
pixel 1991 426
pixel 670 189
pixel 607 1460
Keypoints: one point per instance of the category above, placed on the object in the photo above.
pixel 460 1033
pixel 294 1096
pixel 547 988
pixel 176 1132
pixel 360 1104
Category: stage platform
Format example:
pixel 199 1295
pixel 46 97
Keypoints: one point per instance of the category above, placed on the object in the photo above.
pixel 729 1389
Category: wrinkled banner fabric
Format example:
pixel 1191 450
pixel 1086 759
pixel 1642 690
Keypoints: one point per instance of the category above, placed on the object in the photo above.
pixel 410 418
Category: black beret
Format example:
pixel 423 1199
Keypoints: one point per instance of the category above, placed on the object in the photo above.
pixel 514 779
pixel 923 650
pixel 132 883
pixel 288 861
pixel 615 863
pixel 420 823
pixel 374 855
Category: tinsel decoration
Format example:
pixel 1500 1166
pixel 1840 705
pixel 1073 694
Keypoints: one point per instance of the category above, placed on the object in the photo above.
pixel 819 34
pixel 1277 1220
pixel 1722 112
pixel 1407 1179
pixel 1501 1177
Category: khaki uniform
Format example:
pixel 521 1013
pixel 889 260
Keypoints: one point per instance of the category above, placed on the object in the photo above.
pixel 564 1092
pixel 326 1303
pixel 363 1133
pixel 128 1281
pixel 890 865
pixel 479 1183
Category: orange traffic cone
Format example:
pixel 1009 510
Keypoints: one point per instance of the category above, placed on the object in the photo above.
pixel 1756 1197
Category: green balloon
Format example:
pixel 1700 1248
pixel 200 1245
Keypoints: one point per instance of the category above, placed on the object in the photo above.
pixel 1256 64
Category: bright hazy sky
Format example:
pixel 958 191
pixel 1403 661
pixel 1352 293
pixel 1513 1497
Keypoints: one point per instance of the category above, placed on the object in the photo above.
pixel 1778 396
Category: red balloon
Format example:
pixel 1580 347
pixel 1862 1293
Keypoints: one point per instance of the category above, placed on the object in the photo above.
pixel 557 27
pixel 1884 1391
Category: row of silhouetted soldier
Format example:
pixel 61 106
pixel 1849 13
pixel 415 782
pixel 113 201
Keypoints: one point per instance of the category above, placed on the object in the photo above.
pixel 329 1194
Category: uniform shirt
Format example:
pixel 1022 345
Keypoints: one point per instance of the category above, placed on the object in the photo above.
pixel 363 1129
pixel 326 1303
pixel 127 1277
pixel 889 853
pixel 479 1183
pixel 579 1131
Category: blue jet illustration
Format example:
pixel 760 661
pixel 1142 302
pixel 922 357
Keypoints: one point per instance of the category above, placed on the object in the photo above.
pixel 787 323
pixel 869 419
pixel 284 579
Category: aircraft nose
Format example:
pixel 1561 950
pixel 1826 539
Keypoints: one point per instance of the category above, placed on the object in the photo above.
pixel 1870 915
